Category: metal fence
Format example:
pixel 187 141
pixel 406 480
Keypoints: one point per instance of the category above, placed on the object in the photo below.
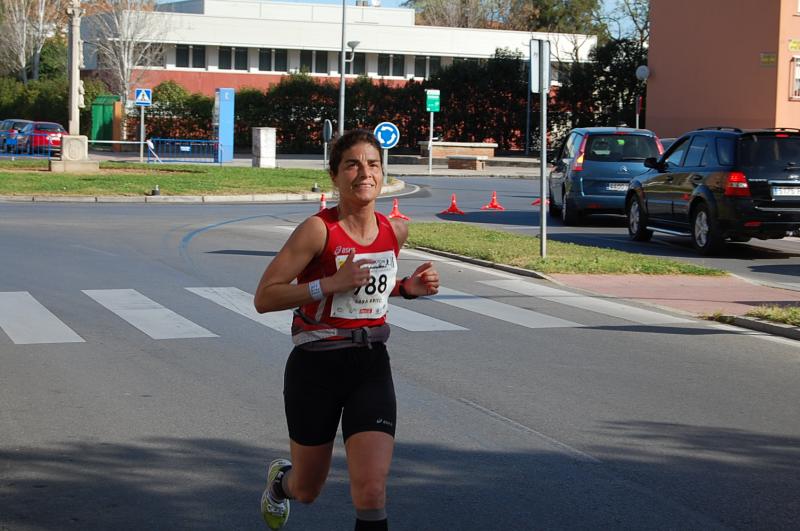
pixel 182 150
pixel 34 145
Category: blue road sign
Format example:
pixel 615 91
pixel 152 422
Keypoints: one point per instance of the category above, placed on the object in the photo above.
pixel 143 97
pixel 387 134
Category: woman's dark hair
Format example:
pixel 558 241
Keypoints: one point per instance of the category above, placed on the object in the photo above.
pixel 348 140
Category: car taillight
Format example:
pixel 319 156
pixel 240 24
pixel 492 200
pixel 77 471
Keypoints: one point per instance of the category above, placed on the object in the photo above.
pixel 578 166
pixel 736 185
pixel 781 135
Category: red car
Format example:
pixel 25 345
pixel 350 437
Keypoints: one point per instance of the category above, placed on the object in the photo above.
pixel 40 138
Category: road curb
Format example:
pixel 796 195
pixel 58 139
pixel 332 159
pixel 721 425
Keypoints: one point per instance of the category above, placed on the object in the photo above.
pixel 492 265
pixel 775 329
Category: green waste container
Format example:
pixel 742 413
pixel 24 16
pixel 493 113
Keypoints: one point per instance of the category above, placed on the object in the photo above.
pixel 103 117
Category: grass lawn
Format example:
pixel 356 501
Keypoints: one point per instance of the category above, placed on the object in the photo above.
pixel 523 251
pixel 31 177
pixel 780 314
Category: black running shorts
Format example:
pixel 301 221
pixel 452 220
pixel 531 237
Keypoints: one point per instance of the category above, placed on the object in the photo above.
pixel 354 384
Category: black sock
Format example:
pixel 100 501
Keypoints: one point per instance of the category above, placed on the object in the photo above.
pixel 372 525
pixel 277 489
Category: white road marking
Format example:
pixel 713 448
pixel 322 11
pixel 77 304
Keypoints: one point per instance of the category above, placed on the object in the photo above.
pixel 417 322
pixel 147 315
pixel 498 310
pixel 27 322
pixel 584 302
pixel 241 302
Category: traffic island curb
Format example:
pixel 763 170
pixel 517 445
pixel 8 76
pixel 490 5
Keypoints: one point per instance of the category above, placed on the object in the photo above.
pixel 760 325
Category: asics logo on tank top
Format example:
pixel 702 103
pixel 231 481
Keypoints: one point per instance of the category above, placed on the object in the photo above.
pixel 344 250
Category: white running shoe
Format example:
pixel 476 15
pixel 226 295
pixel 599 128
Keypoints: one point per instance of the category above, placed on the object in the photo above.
pixel 275 513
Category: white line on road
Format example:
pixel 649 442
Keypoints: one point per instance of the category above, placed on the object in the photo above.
pixel 594 304
pixel 241 302
pixel 418 322
pixel 147 315
pixel 574 452
pixel 27 322
pixel 498 310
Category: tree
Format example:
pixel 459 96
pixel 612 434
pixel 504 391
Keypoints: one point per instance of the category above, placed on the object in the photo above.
pixel 127 36
pixel 15 29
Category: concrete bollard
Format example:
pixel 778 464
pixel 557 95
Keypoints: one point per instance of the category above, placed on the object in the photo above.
pixel 264 141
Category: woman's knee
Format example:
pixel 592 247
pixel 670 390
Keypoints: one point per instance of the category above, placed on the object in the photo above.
pixel 369 494
pixel 306 493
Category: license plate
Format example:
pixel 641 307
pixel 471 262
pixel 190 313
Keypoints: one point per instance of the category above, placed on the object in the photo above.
pixel 785 190
pixel 617 187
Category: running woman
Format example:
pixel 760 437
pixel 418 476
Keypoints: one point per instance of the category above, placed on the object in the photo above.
pixel 345 261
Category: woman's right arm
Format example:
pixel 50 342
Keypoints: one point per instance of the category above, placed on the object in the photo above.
pixel 277 290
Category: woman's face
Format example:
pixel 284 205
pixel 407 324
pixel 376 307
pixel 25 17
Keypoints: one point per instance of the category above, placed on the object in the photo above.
pixel 360 174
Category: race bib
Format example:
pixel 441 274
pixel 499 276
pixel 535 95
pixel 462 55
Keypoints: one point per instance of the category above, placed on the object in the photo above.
pixel 371 300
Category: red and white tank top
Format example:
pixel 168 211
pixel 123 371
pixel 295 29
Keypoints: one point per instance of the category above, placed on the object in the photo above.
pixel 365 306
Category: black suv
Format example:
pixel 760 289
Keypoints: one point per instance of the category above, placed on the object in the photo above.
pixel 720 183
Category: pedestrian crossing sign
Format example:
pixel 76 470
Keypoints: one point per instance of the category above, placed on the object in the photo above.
pixel 143 97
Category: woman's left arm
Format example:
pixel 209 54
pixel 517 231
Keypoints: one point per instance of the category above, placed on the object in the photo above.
pixel 424 280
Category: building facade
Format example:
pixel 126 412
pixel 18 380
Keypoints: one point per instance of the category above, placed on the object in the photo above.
pixel 723 63
pixel 252 43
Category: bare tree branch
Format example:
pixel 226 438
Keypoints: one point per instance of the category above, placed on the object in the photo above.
pixel 15 29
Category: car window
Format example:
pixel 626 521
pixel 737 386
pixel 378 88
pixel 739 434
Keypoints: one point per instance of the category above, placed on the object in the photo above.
pixel 675 157
pixel 49 127
pixel 725 151
pixel 20 125
pixel 697 151
pixel 769 151
pixel 564 153
pixel 569 152
pixel 576 144
pixel 620 147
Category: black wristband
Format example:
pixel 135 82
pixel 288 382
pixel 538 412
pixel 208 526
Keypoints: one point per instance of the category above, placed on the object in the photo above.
pixel 403 291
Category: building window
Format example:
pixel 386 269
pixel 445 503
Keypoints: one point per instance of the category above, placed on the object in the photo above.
pixel 225 58
pixel 391 65
pixel 182 56
pixel 794 94
pixel 420 66
pixel 314 61
pixel 320 62
pixel 434 65
pixel 426 66
pixel 240 58
pixel 281 62
pixel 265 59
pixel 190 55
pixel 357 66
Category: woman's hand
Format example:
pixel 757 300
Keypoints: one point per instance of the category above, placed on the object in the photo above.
pixel 351 275
pixel 424 281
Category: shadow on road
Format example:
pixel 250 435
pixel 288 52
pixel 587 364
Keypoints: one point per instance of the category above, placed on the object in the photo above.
pixel 695 477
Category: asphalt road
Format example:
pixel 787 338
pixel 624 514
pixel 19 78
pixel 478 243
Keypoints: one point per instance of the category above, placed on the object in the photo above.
pixel 515 411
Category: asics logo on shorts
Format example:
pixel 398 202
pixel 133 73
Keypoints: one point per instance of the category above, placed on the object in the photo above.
pixel 384 421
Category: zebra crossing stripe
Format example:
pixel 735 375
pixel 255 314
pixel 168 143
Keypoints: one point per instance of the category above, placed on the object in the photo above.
pixel 241 302
pixel 498 310
pixel 27 322
pixel 147 315
pixel 594 304
pixel 418 322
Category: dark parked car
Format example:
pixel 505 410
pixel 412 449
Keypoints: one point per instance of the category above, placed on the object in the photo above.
pixel 593 168
pixel 8 133
pixel 40 138
pixel 718 184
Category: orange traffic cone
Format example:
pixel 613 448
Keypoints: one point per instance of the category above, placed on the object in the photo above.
pixel 453 208
pixel 395 213
pixel 493 204
pixel 538 201
pixel 322 204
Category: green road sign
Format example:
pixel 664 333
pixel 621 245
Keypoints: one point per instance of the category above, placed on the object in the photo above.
pixel 432 100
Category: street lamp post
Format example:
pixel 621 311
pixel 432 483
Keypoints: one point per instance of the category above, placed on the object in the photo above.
pixel 343 60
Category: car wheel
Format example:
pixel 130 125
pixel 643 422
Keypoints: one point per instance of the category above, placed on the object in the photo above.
pixel 570 215
pixel 706 237
pixel 637 221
